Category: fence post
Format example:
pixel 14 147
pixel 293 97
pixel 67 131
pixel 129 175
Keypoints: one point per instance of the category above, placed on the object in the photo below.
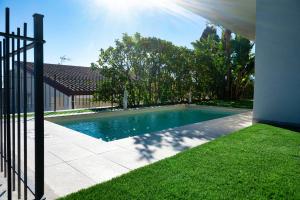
pixel 8 130
pixel 73 102
pixel 1 111
pixel 25 110
pixel 19 111
pixel 39 105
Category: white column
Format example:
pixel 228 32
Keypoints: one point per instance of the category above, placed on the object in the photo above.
pixel 277 76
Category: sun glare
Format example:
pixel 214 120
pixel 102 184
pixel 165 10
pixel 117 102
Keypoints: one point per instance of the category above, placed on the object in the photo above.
pixel 128 8
pixel 124 6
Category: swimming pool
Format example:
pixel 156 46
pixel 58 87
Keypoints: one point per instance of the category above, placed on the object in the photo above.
pixel 121 125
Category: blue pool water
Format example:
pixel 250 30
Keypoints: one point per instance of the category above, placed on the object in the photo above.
pixel 117 127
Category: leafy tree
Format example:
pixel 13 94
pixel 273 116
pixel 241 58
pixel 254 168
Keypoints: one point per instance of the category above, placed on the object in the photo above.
pixel 243 66
pixel 210 31
pixel 155 71
pixel 227 47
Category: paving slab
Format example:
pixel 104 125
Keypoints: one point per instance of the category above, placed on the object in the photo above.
pixel 129 159
pixel 98 168
pixel 64 179
pixel 72 152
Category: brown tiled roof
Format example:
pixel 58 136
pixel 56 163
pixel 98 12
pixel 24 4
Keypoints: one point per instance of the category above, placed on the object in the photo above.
pixel 71 80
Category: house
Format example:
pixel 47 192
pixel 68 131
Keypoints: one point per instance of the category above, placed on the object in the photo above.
pixel 275 27
pixel 65 87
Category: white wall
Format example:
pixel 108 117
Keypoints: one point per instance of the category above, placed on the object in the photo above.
pixel 62 100
pixel 277 77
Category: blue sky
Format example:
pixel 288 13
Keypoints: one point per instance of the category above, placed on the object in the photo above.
pixel 79 28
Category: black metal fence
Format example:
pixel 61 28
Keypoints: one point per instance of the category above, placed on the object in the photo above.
pixel 13 121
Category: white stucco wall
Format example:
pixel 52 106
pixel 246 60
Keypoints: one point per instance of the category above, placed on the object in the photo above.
pixel 277 80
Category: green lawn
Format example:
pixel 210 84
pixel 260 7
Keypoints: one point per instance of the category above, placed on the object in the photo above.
pixel 248 104
pixel 76 111
pixel 259 162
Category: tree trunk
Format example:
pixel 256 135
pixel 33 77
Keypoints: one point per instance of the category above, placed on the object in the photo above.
pixel 227 48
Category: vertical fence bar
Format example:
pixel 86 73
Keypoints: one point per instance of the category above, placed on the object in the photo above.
pixel 50 103
pixel 85 86
pixel 73 102
pixel 44 89
pixel 7 65
pixel 78 96
pixel 25 110
pixel 90 90
pixel 39 106
pixel 1 109
pixel 31 89
pixel 13 110
pixel 85 96
pixel 59 98
pixel 4 107
pixel 54 95
pixel 19 111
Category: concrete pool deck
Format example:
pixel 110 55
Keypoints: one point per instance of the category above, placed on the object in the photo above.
pixel 74 161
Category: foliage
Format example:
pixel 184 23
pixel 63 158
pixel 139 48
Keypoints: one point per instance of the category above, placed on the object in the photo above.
pixel 259 162
pixel 155 71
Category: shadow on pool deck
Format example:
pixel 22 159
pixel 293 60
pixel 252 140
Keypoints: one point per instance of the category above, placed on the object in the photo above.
pixel 190 135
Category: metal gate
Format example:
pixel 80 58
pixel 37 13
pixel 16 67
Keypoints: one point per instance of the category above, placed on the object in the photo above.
pixel 14 119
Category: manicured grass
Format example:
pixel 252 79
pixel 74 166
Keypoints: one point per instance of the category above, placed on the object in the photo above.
pixel 69 112
pixel 52 113
pixel 259 162
pixel 65 112
pixel 248 104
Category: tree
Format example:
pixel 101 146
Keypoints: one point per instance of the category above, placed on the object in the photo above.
pixel 210 67
pixel 155 71
pixel 243 66
pixel 226 44
pixel 210 31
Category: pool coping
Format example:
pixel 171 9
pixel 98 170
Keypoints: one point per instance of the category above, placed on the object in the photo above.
pixel 107 112
pixel 74 161
pixel 132 111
